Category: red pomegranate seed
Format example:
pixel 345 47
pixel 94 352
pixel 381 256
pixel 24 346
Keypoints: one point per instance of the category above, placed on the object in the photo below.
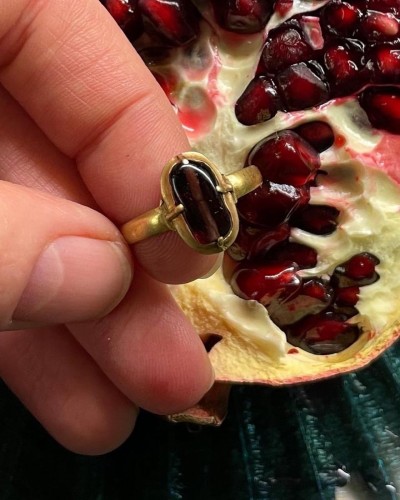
pixel 347 296
pixel 316 219
pixel 282 7
pixel 322 333
pixel 175 22
pixel 318 134
pixel 266 283
pixel 340 19
pixel 379 27
pixel 359 270
pixel 284 47
pixel 383 63
pixel 285 158
pixel 314 297
pixel 361 266
pixel 383 108
pixel 305 257
pixel 243 16
pixel 252 243
pixel 392 6
pixel 301 86
pixel 342 61
pixel 258 103
pixel 126 13
pixel 271 204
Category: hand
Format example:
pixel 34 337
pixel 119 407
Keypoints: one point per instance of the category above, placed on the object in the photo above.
pixel 84 125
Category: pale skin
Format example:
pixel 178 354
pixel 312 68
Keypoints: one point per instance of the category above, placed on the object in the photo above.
pixel 90 333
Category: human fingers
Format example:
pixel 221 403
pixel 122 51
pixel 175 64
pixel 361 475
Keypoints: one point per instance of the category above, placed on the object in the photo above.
pixel 94 98
pixel 149 350
pixel 170 345
pixel 65 390
pixel 29 158
pixel 60 261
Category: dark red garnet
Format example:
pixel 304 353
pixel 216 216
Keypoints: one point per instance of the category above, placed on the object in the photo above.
pixel 194 186
pixel 285 158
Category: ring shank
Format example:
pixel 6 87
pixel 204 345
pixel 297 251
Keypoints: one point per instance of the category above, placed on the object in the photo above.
pixel 145 225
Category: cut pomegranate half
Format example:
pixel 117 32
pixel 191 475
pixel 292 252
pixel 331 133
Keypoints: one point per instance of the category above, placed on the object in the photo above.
pixel 309 92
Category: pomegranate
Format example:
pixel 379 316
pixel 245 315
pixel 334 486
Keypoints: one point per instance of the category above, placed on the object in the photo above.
pixel 309 91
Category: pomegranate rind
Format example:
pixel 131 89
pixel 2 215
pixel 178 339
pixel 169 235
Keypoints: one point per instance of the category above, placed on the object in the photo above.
pixel 236 360
pixel 211 410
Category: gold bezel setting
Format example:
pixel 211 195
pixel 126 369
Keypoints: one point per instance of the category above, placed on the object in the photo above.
pixel 171 215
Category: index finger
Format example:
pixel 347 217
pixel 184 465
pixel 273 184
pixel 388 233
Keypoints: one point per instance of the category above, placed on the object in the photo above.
pixel 79 78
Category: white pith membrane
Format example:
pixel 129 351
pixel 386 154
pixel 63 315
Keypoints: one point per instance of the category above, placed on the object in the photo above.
pixel 361 183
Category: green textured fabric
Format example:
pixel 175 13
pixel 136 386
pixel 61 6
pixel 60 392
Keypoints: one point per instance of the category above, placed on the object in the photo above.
pixel 276 444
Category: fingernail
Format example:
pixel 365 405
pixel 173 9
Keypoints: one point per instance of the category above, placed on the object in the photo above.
pixel 75 279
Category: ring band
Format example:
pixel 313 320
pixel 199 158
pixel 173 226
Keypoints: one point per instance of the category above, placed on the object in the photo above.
pixel 198 202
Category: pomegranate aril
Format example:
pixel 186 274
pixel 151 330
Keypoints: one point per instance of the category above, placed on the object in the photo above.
pixel 323 333
pixel 284 47
pixel 305 257
pixel 361 266
pixel 271 204
pixel 282 7
pixel 319 134
pixel 253 243
pixel 342 61
pixel 358 270
pixel 174 22
pixel 243 16
pixel 259 102
pixel 126 13
pixel 316 219
pixel 302 86
pixel 314 297
pixel 383 108
pixel 268 283
pixel 379 27
pixel 285 158
pixel 347 296
pixel 392 6
pixel 340 18
pixel 383 64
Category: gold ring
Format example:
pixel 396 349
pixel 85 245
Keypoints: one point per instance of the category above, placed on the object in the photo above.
pixel 198 202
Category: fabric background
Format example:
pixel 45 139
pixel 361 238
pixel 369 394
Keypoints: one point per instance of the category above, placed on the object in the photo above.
pixel 302 442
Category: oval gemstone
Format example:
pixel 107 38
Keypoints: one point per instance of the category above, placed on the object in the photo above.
pixel 195 187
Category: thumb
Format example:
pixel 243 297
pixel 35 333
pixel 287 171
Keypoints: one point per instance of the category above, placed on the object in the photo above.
pixel 60 262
